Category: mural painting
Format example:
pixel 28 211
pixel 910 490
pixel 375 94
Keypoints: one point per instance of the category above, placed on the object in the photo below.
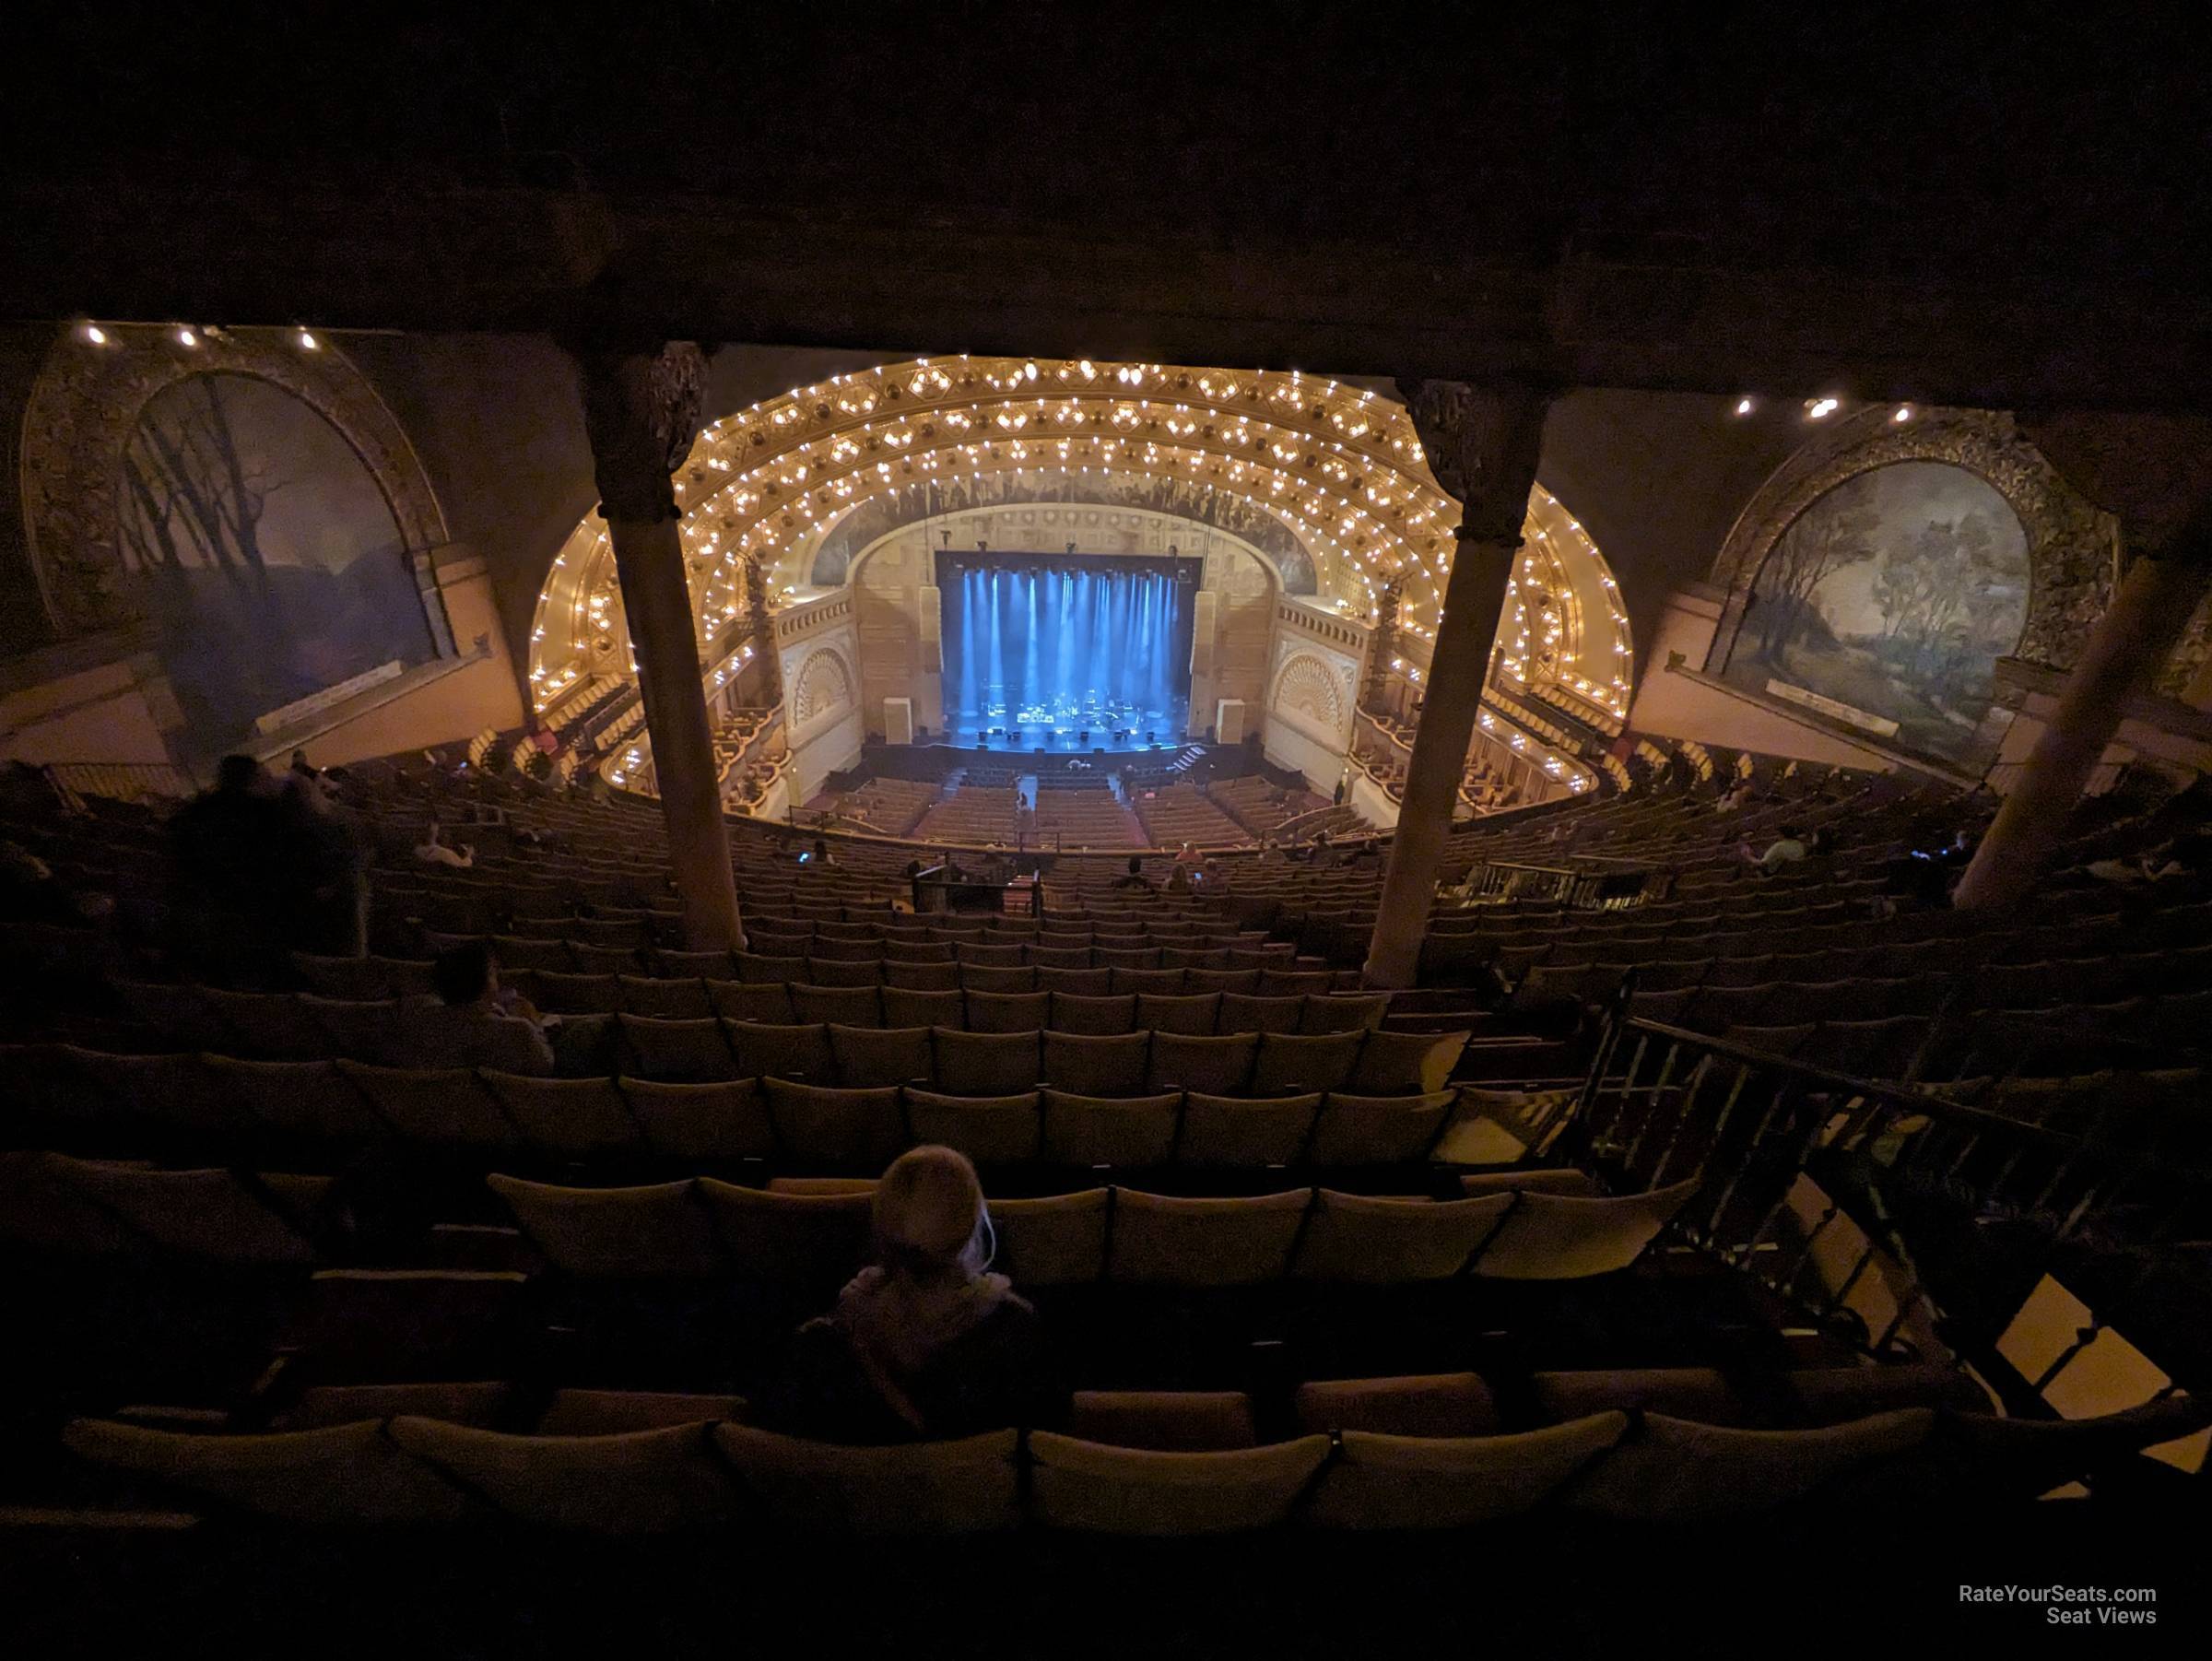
pixel 1887 602
pixel 265 550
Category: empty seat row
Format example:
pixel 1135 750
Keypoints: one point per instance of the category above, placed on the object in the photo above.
pixel 285 1025
pixel 994 1062
pixel 1645 1467
pixel 818 1232
pixel 90 1101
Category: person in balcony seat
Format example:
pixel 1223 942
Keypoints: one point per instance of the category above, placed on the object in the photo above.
pixel 1784 851
pixel 926 1343
pixel 472 1021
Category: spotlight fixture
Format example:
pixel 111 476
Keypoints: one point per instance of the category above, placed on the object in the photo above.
pixel 186 337
pixel 1902 414
pixel 96 335
pixel 1819 410
pixel 1743 406
pixel 308 342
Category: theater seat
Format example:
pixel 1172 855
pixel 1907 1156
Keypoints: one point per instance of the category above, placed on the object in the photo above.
pixel 1162 1241
pixel 1059 1239
pixel 1171 1422
pixel 991 1130
pixel 819 1126
pixel 1376 1130
pixel 1093 1016
pixel 985 1064
pixel 1541 1180
pixel 1230 1131
pixel 800 1052
pixel 798 1241
pixel 969 1486
pixel 702 1123
pixel 1130 1132
pixel 1219 1067
pixel 1673 1470
pixel 344 1476
pixel 1403 1482
pixel 1097 1067
pixel 325 1407
pixel 1356 1237
pixel 1702 1394
pixel 1437 1404
pixel 568 1118
pixel 655 1481
pixel 676 1051
pixel 1406 1064
pixel 210 1215
pixel 614 1412
pixel 1562 1237
pixel 654 1231
pixel 1085 1485
pixel 1289 1063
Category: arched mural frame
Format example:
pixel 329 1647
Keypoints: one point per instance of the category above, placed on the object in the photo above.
pixel 85 404
pixel 848 681
pixel 2071 543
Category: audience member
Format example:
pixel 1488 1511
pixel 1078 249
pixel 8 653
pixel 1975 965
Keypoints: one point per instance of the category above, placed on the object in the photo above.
pixel 432 852
pixel 925 1343
pixel 1786 850
pixel 819 855
pixel 472 1021
pixel 1133 877
pixel 227 914
pixel 325 860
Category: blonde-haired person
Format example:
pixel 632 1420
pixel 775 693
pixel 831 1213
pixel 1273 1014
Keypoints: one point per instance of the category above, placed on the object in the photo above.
pixel 926 1342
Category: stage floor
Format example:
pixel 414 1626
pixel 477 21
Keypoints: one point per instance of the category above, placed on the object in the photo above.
pixel 973 729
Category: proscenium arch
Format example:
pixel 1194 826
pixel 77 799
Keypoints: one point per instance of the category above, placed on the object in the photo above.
pixel 1338 464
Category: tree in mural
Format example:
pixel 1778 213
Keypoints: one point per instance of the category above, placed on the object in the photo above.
pixel 1930 587
pixel 1827 540
pixel 193 501
pixel 265 551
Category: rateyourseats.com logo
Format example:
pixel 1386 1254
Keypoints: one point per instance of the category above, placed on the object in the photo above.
pixel 2075 1606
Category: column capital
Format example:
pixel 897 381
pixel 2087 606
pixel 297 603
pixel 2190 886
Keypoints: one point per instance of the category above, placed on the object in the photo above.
pixel 641 411
pixel 1482 444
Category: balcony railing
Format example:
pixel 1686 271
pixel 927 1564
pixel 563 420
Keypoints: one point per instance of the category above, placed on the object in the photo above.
pixel 1900 1220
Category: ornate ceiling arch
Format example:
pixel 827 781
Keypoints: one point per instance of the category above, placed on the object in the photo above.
pixel 85 404
pixel 1336 468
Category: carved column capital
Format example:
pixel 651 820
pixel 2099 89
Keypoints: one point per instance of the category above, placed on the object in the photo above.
pixel 641 413
pixel 1482 445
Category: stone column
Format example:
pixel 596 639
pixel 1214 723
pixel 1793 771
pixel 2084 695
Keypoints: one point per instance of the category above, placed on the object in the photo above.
pixel 2154 474
pixel 641 409
pixel 761 628
pixel 2151 606
pixel 1384 646
pixel 1482 447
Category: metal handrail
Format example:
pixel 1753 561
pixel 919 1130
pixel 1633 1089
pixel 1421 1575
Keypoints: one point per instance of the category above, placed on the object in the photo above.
pixel 1892 1216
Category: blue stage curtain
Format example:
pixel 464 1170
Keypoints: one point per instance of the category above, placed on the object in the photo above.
pixel 1049 644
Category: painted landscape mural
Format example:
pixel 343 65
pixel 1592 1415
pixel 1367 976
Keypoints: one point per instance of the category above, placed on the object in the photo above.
pixel 1892 596
pixel 246 517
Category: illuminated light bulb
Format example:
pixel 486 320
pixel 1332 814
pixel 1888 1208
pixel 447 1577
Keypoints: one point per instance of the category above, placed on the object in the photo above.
pixel 96 335
pixel 1743 406
pixel 1819 410
pixel 1903 414
pixel 308 342
pixel 186 337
